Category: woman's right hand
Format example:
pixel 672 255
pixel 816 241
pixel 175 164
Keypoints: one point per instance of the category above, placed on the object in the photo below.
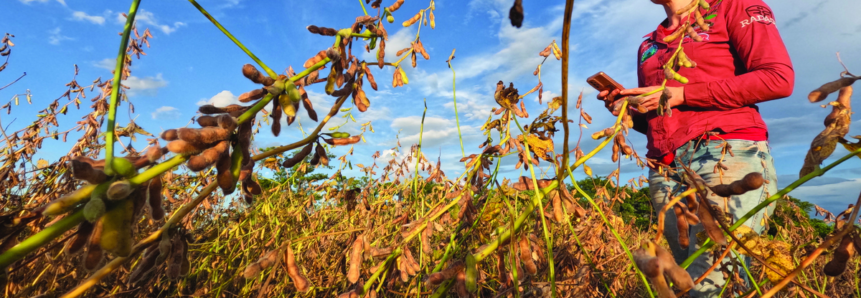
pixel 609 97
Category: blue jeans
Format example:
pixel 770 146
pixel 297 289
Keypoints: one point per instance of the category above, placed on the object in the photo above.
pixel 750 156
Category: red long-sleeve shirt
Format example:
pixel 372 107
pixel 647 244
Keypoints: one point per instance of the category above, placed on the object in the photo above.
pixel 740 62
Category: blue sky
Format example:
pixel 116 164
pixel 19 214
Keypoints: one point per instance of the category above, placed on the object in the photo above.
pixel 191 62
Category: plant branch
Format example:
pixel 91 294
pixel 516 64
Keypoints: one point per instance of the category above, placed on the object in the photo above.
pixel 110 134
pixel 232 38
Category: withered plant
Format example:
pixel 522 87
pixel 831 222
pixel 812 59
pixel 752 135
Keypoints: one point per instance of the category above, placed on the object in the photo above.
pixel 151 223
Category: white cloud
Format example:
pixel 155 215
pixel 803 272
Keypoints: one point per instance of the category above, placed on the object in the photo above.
pixel 437 131
pixel 55 37
pixel 83 16
pixel 106 63
pixel 147 86
pixel 148 18
pixel 63 2
pixel 222 99
pixel 166 113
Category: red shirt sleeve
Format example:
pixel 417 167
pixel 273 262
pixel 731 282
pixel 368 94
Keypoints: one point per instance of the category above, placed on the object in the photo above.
pixel 769 75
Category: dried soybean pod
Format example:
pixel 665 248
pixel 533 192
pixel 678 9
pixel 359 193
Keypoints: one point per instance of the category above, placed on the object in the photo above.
pixel 138 198
pixel 94 257
pixel 750 182
pixel 117 229
pixel 615 148
pixel 822 92
pixel 208 157
pixel 694 35
pixel 169 135
pixel 403 269
pixel 298 157
pixel 680 278
pixel 321 154
pixel 252 95
pixel 276 118
pixel 704 4
pixel 369 76
pixel 154 198
pixel 184 148
pixel 313 60
pixel 82 169
pixel 154 153
pixel 207 121
pixel 682 226
pixel 179 248
pixel 164 247
pixel 414 266
pixel 700 21
pixel 227 122
pixel 381 53
pixel 306 103
pixel 299 281
pixel 85 229
pixel 203 136
pixel 460 285
pixel 69 201
pixel 650 265
pixel 526 256
pixel 224 176
pixel 251 72
pixel 361 100
pixel 448 273
pixel 251 187
pixel 558 213
pixel 355 260
pixel 678 33
pixel 841 256
pixel 704 212
pixel 146 264
pixel 395 6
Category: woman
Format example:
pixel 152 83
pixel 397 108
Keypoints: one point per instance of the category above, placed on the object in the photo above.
pixel 741 61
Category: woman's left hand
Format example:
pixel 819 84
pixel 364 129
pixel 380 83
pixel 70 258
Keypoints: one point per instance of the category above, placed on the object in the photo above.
pixel 650 102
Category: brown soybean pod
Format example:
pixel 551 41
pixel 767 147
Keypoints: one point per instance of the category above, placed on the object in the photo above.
pixel 207 121
pixel 299 280
pixel 526 256
pixel 154 198
pixel 85 229
pixel 704 212
pixel 94 257
pixel 842 254
pixel 355 260
pixel 682 226
pixel 680 278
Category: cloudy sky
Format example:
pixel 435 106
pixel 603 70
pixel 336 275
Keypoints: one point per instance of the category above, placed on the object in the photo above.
pixel 191 63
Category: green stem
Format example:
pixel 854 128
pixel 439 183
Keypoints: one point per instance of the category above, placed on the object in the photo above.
pixel 362 3
pixel 536 200
pixel 44 236
pixel 456 117
pixel 236 41
pixel 747 271
pixel 110 135
pixel 818 172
